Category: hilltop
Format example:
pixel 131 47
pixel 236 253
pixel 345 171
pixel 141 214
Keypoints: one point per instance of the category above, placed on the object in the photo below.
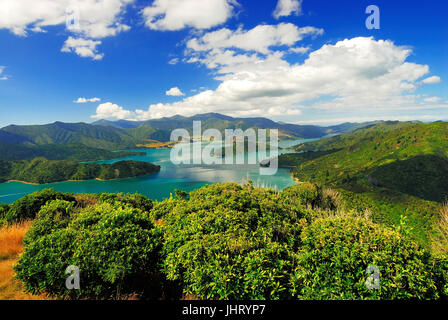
pixel 392 169
pixel 408 157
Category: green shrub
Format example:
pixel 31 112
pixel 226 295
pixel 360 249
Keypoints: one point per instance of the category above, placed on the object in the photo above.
pixel 4 208
pixel 231 242
pixel 137 200
pixel 306 194
pixel 162 208
pixel 27 207
pixel 42 267
pixel 335 254
pixel 53 216
pixel 116 247
pixel 223 241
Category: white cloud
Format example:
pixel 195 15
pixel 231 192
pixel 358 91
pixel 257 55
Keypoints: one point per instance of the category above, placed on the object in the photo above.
pixel 83 47
pixel 109 110
pixel 300 50
pixel 351 76
pixel 287 7
pixel 175 92
pixel 84 100
pixel 259 39
pixel 179 14
pixel 432 99
pixel 332 121
pixel 173 61
pixel 98 18
pixel 357 74
pixel 432 80
pixel 2 77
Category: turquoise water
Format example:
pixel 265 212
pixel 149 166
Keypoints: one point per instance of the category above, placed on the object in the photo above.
pixel 161 184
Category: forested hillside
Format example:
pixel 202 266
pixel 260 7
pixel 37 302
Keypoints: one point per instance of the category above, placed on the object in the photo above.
pixel 411 158
pixel 394 169
pixel 41 170
pixel 75 152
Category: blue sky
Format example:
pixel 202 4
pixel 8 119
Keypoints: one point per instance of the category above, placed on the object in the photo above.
pixel 316 62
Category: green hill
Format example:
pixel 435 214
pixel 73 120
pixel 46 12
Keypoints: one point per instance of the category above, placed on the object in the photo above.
pixel 76 152
pixel 19 142
pixel 41 170
pixel 391 169
pixel 75 133
pixel 411 158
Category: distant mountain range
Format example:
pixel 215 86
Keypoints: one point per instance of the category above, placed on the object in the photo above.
pixel 218 121
pixel 25 141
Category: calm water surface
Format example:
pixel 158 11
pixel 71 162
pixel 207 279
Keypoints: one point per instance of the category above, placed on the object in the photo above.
pixel 161 184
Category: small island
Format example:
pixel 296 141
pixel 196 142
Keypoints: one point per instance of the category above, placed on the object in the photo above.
pixel 42 171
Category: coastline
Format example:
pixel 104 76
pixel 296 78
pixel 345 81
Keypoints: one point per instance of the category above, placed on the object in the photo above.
pixel 31 183
pixel 294 178
pixel 98 179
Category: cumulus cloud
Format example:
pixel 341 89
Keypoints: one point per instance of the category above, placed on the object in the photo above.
pixel 2 77
pixel 332 121
pixel 432 80
pixel 83 47
pixel 84 100
pixel 259 39
pixel 286 8
pixel 179 14
pixel 97 18
pixel 109 110
pixel 175 92
pixel 347 76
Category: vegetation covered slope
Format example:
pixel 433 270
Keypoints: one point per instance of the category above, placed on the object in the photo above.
pixel 411 158
pixel 41 170
pixel 124 134
pixel 223 241
pixel 393 169
pixel 76 152
pixel 79 133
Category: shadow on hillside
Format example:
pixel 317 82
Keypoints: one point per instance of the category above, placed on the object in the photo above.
pixel 424 176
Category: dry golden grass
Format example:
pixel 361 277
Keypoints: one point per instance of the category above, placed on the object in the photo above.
pixel 85 200
pixel 10 248
pixel 11 239
pixel 440 243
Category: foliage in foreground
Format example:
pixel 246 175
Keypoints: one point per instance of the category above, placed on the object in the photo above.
pixel 225 241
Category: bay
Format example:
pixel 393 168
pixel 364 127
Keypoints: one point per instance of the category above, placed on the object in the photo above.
pixel 160 185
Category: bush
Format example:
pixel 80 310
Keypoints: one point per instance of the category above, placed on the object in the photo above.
pixel 116 247
pixel 335 254
pixel 27 207
pixel 53 216
pixel 311 195
pixel 137 200
pixel 223 241
pixel 231 242
pixel 42 267
pixel 4 208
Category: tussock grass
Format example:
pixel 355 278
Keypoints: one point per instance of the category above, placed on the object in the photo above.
pixel 440 243
pixel 10 248
pixel 11 239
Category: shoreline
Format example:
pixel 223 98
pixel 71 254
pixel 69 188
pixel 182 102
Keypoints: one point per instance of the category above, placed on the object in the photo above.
pixel 294 178
pixel 98 179
pixel 31 183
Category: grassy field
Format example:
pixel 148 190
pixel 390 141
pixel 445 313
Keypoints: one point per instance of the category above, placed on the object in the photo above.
pixel 10 248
